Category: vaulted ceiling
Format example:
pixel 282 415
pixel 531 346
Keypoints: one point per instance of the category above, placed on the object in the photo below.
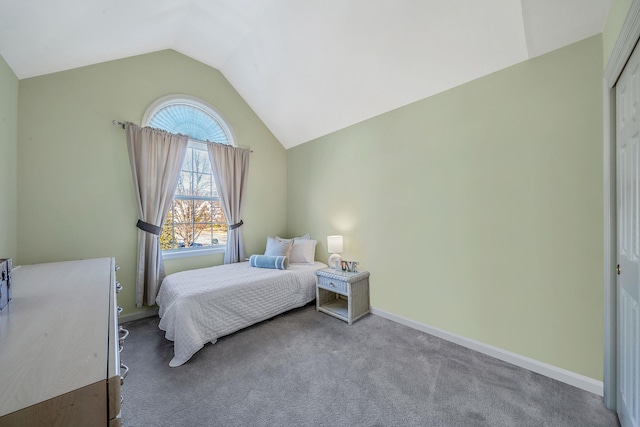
pixel 306 67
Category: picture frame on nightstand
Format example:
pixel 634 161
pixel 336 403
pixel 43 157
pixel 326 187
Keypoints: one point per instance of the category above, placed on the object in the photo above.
pixel 350 266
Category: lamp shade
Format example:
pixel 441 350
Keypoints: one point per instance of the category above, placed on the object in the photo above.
pixel 334 244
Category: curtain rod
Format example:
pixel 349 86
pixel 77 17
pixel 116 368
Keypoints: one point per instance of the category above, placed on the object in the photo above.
pixel 118 123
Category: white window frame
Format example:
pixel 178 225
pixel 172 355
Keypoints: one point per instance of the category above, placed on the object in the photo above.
pixel 198 103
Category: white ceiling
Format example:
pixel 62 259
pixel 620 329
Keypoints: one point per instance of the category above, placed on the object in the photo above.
pixel 306 67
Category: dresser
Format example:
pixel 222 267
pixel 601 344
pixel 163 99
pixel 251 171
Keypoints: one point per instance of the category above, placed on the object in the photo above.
pixel 59 346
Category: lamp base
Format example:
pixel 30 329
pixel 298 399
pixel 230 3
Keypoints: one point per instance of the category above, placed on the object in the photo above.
pixel 334 262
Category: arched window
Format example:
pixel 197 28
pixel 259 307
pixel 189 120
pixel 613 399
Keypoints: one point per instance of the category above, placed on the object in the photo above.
pixel 196 221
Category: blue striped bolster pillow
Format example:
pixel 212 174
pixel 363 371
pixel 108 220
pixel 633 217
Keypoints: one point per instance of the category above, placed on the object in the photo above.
pixel 268 261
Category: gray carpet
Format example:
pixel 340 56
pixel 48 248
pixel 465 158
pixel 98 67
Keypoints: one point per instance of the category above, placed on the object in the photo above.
pixel 305 368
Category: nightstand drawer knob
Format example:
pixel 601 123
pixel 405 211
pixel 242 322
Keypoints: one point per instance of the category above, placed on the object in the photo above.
pixel 332 284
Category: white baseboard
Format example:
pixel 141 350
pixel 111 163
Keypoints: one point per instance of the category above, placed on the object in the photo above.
pixel 563 375
pixel 137 315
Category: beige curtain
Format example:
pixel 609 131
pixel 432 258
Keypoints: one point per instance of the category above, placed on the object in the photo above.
pixel 156 158
pixel 231 170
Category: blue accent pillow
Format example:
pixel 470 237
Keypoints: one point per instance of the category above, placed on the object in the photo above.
pixel 268 261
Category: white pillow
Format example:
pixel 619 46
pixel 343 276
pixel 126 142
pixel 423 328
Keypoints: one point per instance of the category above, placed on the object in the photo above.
pixel 277 247
pixel 303 251
pixel 303 237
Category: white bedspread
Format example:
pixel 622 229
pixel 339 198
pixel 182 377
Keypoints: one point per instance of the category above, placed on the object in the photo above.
pixel 199 306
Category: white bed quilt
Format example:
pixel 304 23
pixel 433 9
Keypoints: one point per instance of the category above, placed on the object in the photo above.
pixel 199 306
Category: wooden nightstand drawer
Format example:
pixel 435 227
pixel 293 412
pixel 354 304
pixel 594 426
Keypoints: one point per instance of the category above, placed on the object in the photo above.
pixel 332 284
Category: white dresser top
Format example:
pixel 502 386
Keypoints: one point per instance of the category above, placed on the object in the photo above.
pixel 54 333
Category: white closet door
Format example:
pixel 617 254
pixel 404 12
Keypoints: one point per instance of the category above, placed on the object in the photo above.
pixel 628 205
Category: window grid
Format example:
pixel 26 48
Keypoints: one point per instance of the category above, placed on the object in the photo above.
pixel 196 218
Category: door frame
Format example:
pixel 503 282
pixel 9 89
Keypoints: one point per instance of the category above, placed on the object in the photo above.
pixel 626 42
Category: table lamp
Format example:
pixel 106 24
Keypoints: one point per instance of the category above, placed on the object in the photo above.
pixel 334 245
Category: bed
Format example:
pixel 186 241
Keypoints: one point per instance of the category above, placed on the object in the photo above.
pixel 199 306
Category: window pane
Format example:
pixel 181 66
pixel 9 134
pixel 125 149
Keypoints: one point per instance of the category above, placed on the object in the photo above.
pixel 220 234
pixel 214 189
pixel 188 160
pixel 220 223
pixel 183 234
pixel 201 161
pixel 202 212
pixel 184 184
pixel 202 185
pixel 217 212
pixel 167 240
pixel 183 218
pixel 205 236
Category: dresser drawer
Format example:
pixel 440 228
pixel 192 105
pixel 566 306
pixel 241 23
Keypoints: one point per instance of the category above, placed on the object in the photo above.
pixel 332 284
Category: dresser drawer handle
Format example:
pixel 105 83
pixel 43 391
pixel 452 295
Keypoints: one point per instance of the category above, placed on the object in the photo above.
pixel 123 375
pixel 332 284
pixel 118 287
pixel 122 333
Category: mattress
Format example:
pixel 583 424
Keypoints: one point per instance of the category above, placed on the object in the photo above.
pixel 199 306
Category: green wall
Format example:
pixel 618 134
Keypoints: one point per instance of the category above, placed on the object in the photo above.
pixel 617 14
pixel 76 197
pixel 478 210
pixel 8 161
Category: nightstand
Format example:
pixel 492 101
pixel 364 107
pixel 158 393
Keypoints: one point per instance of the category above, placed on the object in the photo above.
pixel 342 294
